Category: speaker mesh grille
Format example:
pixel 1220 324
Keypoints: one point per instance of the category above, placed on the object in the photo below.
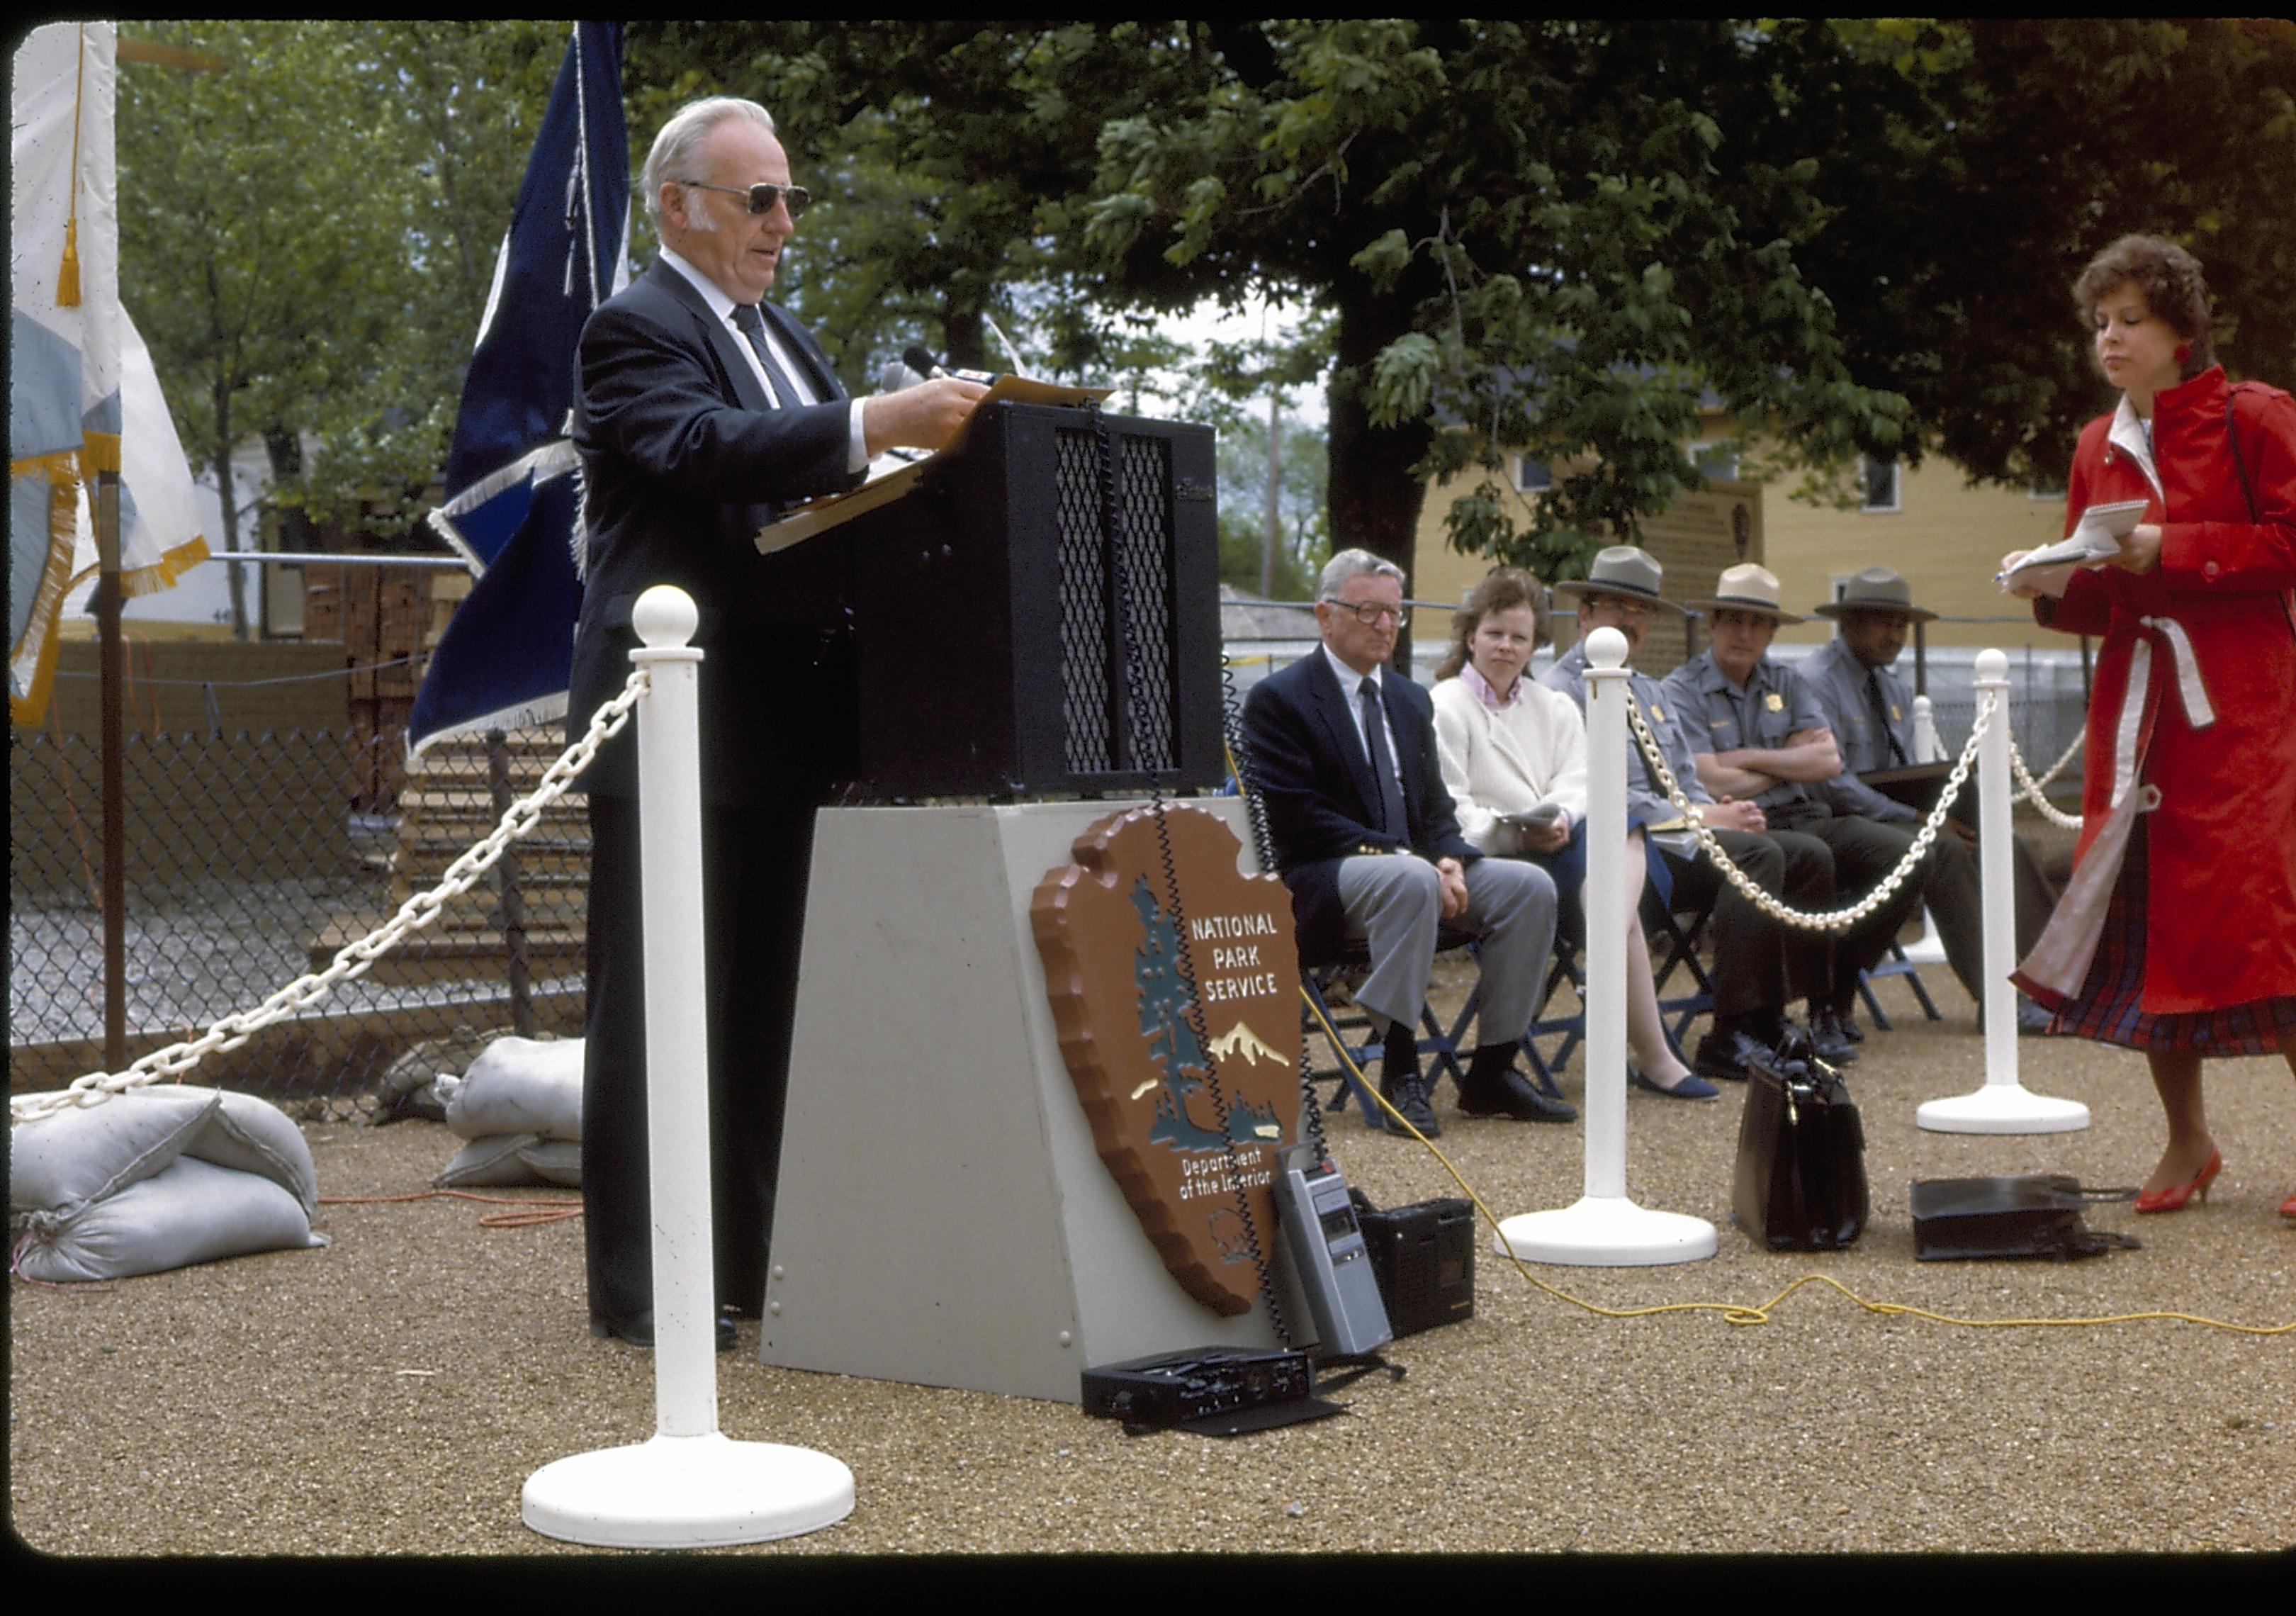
pixel 1094 686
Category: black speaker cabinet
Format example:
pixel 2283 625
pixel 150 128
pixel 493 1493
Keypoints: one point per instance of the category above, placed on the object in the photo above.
pixel 993 654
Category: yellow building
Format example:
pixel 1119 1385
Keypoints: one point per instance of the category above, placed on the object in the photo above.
pixel 1945 537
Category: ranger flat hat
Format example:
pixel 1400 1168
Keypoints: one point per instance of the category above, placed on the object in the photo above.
pixel 1747 588
pixel 1622 570
pixel 1877 589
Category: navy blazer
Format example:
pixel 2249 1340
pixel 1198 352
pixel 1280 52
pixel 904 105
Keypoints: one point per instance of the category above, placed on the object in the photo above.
pixel 683 461
pixel 1311 773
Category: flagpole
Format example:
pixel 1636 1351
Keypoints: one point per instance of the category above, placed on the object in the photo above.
pixel 110 663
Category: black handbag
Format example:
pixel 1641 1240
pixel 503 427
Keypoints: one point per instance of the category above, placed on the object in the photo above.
pixel 1800 1179
pixel 2036 1215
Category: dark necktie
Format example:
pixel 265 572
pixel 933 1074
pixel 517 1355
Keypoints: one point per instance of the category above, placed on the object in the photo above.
pixel 1382 767
pixel 1881 716
pixel 753 326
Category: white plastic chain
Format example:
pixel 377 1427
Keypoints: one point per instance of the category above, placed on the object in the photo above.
pixel 2030 789
pixel 1836 920
pixel 352 959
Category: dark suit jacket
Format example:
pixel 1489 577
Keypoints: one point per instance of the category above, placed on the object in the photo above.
pixel 1317 783
pixel 683 462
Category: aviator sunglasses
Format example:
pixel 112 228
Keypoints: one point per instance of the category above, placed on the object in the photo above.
pixel 761 198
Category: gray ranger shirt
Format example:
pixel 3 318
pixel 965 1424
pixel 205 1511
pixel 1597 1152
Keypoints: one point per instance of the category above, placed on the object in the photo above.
pixel 1873 723
pixel 1720 717
pixel 1646 803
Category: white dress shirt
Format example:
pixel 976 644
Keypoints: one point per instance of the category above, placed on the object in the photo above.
pixel 856 451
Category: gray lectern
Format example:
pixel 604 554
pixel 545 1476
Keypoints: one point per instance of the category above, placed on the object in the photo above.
pixel 943 1216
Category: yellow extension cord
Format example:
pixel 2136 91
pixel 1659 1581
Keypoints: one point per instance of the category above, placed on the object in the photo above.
pixel 1739 1313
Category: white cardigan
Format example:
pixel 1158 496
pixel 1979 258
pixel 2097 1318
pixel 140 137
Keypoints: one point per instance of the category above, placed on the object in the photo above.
pixel 1511 761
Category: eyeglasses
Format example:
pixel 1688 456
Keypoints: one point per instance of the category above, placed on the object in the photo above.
pixel 1633 611
pixel 1371 614
pixel 762 198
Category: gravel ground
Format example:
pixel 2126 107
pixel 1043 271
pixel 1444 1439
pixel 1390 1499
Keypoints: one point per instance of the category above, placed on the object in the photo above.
pixel 391 1394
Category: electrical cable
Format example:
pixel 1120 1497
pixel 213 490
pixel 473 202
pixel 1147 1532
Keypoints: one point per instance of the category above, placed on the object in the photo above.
pixel 1740 1313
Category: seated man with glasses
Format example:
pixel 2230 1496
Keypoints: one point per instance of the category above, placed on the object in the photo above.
pixel 1342 749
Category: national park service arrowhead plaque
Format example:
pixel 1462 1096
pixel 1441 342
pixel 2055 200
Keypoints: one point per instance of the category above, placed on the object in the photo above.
pixel 1110 933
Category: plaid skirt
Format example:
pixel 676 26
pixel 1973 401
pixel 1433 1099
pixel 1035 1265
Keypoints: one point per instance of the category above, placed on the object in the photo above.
pixel 2110 1008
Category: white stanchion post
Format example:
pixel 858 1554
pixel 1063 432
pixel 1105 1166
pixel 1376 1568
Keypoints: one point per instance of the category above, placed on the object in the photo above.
pixel 1605 1228
pixel 689 1486
pixel 2002 1105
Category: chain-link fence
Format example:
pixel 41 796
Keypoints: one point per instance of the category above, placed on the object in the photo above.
pixel 250 859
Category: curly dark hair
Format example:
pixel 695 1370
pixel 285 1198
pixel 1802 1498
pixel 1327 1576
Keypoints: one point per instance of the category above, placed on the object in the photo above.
pixel 1502 591
pixel 2170 279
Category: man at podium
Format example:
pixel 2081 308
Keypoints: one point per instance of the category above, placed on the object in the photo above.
pixel 701 411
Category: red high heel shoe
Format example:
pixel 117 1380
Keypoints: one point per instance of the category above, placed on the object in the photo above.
pixel 2174 1198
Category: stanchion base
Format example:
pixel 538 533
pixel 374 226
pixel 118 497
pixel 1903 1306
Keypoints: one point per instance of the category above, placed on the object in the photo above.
pixel 687 1492
pixel 2003 1108
pixel 1605 1232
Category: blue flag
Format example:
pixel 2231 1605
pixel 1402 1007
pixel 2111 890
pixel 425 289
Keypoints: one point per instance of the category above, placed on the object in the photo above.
pixel 510 508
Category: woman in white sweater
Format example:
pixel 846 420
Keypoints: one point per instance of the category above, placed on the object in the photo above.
pixel 1514 759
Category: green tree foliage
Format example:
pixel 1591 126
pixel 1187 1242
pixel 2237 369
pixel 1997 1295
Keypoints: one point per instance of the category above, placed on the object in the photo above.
pixel 307 236
pixel 1972 170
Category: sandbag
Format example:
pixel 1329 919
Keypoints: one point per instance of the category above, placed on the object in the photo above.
pixel 190 1211
pixel 73 1157
pixel 520 1086
pixel 503 1159
pixel 59 1163
pixel 254 1136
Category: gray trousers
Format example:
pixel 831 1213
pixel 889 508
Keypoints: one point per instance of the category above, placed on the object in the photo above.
pixel 1394 904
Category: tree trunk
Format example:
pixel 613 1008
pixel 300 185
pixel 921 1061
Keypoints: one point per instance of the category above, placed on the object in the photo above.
pixel 1273 545
pixel 1373 494
pixel 227 498
pixel 967 339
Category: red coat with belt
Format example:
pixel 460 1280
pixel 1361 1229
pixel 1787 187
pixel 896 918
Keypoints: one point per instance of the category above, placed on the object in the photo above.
pixel 2208 714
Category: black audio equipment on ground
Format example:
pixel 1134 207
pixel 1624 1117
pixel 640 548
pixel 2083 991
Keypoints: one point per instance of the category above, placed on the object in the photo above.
pixel 1214 1390
pixel 1423 1257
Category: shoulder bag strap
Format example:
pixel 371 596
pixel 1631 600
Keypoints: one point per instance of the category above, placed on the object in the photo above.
pixel 2239 461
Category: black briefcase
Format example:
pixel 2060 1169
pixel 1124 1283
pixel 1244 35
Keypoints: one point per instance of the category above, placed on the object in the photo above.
pixel 1800 1180
pixel 2035 1215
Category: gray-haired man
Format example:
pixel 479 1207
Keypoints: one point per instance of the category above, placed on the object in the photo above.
pixel 1341 750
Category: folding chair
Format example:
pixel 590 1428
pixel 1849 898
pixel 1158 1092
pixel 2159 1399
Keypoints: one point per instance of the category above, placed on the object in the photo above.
pixel 1681 942
pixel 1439 1047
pixel 1896 964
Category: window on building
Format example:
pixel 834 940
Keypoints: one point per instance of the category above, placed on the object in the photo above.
pixel 1881 478
pixel 1717 461
pixel 1533 477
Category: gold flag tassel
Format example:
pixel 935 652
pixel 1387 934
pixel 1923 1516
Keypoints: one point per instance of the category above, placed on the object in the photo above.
pixel 68 277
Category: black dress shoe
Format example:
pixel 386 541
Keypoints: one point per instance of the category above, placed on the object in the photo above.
pixel 1725 1056
pixel 1827 1037
pixel 2032 1020
pixel 638 1329
pixel 1407 1093
pixel 1510 1094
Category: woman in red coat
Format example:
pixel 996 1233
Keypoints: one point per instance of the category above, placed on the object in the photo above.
pixel 2177 935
